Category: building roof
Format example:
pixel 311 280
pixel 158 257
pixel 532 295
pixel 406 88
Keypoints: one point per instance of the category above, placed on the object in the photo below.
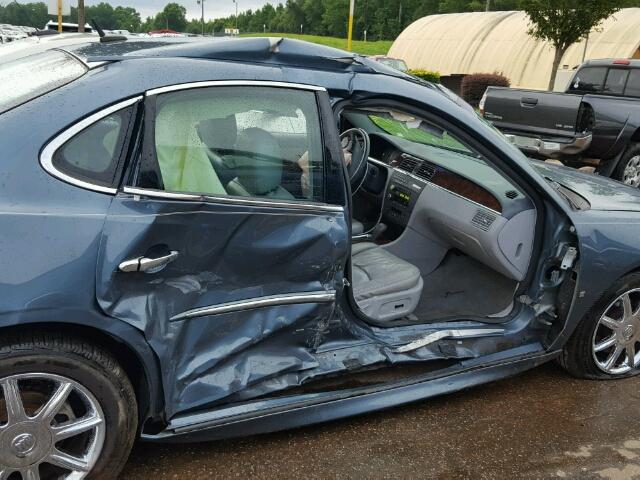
pixel 474 42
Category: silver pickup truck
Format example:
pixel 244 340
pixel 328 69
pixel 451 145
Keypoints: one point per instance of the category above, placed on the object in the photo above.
pixel 595 122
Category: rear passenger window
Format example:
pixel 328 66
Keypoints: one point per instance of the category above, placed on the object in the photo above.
pixel 589 79
pixel 616 80
pixel 242 141
pixel 633 84
pixel 93 154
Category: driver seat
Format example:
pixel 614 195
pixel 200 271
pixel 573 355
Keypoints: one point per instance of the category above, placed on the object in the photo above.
pixel 258 176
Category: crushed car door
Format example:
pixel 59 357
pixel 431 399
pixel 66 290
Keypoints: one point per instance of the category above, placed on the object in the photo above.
pixel 227 255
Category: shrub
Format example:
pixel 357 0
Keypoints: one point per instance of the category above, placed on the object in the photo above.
pixel 428 75
pixel 474 86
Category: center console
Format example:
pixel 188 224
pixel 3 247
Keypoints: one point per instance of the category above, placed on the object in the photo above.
pixel 401 196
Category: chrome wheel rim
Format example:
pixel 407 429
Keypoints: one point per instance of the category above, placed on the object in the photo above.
pixel 616 339
pixel 631 175
pixel 49 426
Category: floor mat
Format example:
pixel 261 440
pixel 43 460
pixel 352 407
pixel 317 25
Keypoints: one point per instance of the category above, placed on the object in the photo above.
pixel 462 286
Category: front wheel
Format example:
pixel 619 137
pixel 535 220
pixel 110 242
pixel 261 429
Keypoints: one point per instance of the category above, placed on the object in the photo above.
pixel 606 343
pixel 628 169
pixel 67 409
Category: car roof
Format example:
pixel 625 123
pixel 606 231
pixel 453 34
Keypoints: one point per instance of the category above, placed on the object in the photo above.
pixel 263 50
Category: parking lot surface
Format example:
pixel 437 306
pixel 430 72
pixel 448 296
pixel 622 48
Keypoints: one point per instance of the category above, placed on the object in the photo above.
pixel 542 424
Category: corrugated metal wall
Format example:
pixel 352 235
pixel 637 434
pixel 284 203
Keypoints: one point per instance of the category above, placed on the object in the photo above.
pixel 462 43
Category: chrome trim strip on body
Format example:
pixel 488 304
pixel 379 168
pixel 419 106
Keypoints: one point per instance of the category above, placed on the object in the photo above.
pixel 233 83
pixel 46 156
pixel 323 296
pixel 427 182
pixel 439 335
pixel 232 200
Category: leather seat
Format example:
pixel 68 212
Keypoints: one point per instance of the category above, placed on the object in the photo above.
pixel 259 175
pixel 357 227
pixel 219 135
pixel 385 287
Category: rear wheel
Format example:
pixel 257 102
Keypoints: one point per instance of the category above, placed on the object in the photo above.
pixel 628 169
pixel 67 410
pixel 606 344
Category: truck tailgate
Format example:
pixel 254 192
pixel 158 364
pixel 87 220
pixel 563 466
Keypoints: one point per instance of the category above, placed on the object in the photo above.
pixel 533 111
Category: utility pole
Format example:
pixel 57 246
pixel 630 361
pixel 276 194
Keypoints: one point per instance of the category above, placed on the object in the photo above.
pixel 400 14
pixel 236 2
pixel 352 5
pixel 201 3
pixel 81 17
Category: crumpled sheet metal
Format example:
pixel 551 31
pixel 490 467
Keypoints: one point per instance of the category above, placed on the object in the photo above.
pixel 237 254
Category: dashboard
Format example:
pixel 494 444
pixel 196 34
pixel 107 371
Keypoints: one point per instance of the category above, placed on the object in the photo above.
pixel 455 200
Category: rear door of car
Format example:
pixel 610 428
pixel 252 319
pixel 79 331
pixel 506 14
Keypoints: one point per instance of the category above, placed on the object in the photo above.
pixel 229 264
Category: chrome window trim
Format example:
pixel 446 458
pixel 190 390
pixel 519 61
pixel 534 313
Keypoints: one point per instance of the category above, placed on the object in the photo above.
pixel 233 83
pixel 46 156
pixel 322 296
pixel 230 200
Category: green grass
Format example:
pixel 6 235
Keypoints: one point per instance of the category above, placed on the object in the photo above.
pixel 380 47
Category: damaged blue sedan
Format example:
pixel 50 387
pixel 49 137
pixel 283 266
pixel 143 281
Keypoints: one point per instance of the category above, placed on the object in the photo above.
pixel 208 239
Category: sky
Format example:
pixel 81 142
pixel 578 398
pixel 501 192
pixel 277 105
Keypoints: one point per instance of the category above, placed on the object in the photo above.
pixel 212 8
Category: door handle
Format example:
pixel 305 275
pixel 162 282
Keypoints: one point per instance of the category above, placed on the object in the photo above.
pixel 149 265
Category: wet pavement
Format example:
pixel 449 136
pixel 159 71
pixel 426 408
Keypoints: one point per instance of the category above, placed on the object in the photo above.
pixel 542 424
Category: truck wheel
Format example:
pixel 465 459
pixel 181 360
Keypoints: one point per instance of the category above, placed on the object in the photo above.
pixel 628 169
pixel 606 343
pixel 67 409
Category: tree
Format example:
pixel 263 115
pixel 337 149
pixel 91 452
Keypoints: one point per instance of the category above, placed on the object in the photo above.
pixel 173 16
pixel 564 22
pixel 127 18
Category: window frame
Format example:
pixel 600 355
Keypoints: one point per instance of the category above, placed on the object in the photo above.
pixel 48 152
pixel 631 72
pixel 148 153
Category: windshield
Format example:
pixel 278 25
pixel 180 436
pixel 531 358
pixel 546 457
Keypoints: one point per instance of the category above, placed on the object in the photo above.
pixel 418 131
pixel 36 75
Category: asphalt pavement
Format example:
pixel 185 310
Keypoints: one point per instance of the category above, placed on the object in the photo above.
pixel 541 424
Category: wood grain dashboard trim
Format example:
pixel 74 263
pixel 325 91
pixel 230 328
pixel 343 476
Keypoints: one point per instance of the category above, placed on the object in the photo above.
pixel 466 188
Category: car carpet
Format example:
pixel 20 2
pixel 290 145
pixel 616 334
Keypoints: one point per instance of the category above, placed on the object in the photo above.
pixel 462 286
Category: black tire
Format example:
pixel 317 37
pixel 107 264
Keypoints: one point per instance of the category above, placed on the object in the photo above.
pixel 577 355
pixel 93 368
pixel 632 152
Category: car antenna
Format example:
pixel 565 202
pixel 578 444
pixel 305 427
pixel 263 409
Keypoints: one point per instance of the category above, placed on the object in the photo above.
pixel 104 38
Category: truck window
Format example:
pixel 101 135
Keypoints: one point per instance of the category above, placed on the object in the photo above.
pixel 633 84
pixel 588 79
pixel 616 80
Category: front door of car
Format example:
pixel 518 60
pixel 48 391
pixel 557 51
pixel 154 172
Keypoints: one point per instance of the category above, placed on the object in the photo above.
pixel 226 253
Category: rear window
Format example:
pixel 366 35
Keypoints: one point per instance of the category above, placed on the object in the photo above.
pixel 616 80
pixel 36 75
pixel 589 79
pixel 633 84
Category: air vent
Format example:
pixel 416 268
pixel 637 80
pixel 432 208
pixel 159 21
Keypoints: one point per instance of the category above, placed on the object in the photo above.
pixel 408 164
pixel 511 194
pixel 426 171
pixel 483 220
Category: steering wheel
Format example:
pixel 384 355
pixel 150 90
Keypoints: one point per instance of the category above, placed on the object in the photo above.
pixel 356 141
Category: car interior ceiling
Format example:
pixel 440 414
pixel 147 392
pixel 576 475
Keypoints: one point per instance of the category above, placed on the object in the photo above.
pixel 438 233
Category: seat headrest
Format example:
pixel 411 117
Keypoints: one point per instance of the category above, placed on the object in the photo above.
pixel 218 133
pixel 257 174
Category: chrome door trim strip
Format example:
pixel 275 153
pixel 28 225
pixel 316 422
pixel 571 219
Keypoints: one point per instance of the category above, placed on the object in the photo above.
pixel 432 337
pixel 46 156
pixel 232 200
pixel 233 83
pixel 323 296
